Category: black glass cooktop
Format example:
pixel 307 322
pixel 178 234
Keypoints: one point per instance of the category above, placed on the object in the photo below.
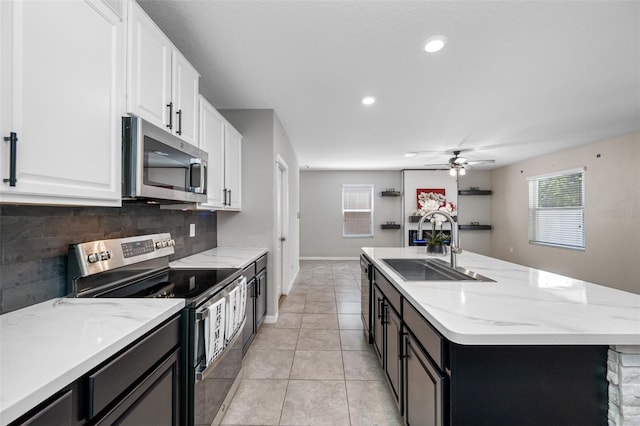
pixel 194 285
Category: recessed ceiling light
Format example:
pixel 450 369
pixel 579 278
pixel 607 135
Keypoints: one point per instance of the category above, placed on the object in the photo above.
pixel 368 100
pixel 435 43
pixel 410 154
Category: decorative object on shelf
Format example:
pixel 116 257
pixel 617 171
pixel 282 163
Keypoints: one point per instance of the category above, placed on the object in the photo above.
pixel 391 224
pixel 474 223
pixel 435 201
pixel 390 192
pixel 474 188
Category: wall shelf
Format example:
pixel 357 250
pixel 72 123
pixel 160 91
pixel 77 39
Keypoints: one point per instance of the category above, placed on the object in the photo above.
pixel 475 227
pixel 390 226
pixel 474 192
pixel 390 194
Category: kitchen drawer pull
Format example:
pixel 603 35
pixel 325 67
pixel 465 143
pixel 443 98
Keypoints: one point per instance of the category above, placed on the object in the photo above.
pixel 179 114
pixel 170 106
pixel 13 140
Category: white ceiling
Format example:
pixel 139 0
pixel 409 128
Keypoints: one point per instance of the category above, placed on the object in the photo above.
pixel 516 79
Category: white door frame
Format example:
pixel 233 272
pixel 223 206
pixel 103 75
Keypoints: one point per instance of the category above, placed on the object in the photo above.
pixel 281 261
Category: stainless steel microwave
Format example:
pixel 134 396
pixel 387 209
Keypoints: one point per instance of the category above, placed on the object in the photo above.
pixel 157 165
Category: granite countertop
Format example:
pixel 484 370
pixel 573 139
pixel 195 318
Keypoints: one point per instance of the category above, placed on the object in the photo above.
pixel 220 257
pixel 47 346
pixel 525 306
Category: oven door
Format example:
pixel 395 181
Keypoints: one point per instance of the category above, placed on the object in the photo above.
pixel 213 380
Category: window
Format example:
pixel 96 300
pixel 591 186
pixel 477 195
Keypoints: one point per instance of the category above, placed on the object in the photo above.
pixel 357 210
pixel 556 209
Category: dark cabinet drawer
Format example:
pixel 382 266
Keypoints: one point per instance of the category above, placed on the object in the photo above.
pixel 111 380
pixel 249 272
pixel 57 411
pixel 429 338
pixel 261 263
pixel 392 295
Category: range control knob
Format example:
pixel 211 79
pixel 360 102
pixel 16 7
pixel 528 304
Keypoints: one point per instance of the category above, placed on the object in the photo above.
pixel 105 255
pixel 158 244
pixel 93 257
pixel 172 242
pixel 164 243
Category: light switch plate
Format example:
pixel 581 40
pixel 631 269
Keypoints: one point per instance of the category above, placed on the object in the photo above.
pixel 192 230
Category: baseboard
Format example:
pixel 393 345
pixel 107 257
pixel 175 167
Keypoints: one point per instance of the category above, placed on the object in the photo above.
pixel 328 258
pixel 271 319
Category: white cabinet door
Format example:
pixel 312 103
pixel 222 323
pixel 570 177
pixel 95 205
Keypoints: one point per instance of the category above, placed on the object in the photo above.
pixel 212 139
pixel 233 168
pixel 185 99
pixel 149 70
pixel 61 85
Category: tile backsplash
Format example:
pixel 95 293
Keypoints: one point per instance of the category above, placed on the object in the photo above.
pixel 34 242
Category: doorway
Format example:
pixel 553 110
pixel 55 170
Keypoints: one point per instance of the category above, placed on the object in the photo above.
pixel 282 226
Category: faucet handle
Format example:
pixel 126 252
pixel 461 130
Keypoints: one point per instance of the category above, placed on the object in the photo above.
pixel 456 250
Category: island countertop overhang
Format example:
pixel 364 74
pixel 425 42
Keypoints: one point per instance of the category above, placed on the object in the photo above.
pixel 524 306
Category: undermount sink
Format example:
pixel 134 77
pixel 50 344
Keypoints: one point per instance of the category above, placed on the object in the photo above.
pixel 432 270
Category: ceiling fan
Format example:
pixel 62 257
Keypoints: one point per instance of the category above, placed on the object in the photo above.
pixel 457 165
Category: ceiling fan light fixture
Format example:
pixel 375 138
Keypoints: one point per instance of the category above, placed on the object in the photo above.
pixel 462 171
pixel 410 154
pixel 452 171
pixel 435 43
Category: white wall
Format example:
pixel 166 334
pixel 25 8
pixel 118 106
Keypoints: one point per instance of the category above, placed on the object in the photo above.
pixel 262 138
pixel 321 212
pixel 612 213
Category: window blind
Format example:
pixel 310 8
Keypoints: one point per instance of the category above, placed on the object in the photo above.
pixel 556 209
pixel 357 210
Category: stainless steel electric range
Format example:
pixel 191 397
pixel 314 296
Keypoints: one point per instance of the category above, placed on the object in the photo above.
pixel 212 319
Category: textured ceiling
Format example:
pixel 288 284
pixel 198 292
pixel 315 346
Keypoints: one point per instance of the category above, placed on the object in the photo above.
pixel 516 79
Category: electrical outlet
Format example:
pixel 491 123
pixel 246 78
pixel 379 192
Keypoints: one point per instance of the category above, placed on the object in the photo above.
pixel 192 230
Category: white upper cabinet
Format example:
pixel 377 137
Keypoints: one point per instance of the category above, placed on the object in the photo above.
pixel 162 86
pixel 61 91
pixel 223 143
pixel 233 168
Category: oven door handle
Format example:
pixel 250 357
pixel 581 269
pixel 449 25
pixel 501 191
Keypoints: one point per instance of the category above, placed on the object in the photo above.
pixel 202 374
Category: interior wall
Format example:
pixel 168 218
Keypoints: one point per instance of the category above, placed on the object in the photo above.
pixel 284 149
pixel 612 213
pixel 254 226
pixel 321 212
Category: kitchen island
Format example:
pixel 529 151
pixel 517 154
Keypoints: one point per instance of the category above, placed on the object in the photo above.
pixel 529 333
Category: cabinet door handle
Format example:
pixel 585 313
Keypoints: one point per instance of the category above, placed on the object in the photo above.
pixel 380 300
pixel 170 106
pixel 224 197
pixel 13 140
pixel 179 114
pixel 229 192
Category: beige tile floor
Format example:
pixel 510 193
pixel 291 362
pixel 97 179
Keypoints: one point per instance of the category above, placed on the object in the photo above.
pixel 314 367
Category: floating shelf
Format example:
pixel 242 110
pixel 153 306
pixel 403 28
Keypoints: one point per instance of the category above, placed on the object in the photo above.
pixel 390 226
pixel 390 194
pixel 416 219
pixel 475 227
pixel 474 192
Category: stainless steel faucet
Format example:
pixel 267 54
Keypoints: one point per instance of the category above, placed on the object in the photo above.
pixel 455 240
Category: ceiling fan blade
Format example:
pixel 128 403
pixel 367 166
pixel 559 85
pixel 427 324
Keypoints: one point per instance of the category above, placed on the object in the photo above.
pixel 481 162
pixel 438 165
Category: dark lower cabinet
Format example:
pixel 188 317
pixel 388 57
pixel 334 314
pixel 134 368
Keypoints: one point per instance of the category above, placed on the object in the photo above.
pixel 423 387
pixel 139 386
pixel 249 330
pixel 261 298
pixel 256 300
pixel 393 366
pixel 154 402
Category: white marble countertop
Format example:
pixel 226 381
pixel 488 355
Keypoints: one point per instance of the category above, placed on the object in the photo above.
pixel 47 346
pixel 220 257
pixel 524 306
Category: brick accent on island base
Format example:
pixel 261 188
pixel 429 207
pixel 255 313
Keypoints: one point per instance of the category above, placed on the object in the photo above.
pixel 623 374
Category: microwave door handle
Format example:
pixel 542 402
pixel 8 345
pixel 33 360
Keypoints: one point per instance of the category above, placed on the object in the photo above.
pixel 196 164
